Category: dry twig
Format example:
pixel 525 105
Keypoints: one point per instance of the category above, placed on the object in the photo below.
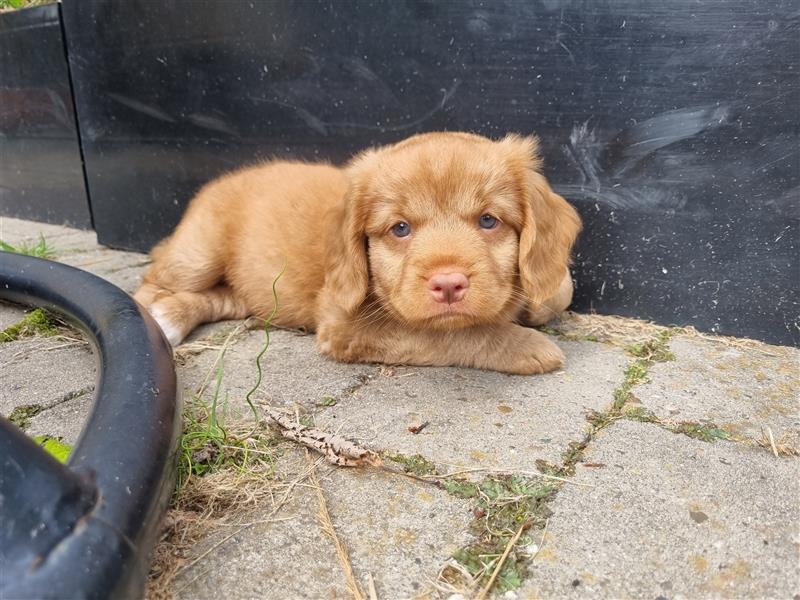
pixel 373 594
pixel 482 594
pixel 785 445
pixel 324 518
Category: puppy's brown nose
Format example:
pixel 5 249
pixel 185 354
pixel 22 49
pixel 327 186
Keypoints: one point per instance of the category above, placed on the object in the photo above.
pixel 448 287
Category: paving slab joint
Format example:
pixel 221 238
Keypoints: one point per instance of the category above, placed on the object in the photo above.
pixel 21 416
pixel 645 354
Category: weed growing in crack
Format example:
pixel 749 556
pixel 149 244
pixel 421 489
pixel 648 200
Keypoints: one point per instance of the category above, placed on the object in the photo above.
pixel 207 445
pixel 568 336
pixel 704 431
pixel 654 350
pixel 640 414
pixel 635 374
pixel 504 505
pixel 224 468
pixel 707 432
pixel 40 249
pixel 645 354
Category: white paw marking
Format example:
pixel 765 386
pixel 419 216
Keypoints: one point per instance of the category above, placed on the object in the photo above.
pixel 172 332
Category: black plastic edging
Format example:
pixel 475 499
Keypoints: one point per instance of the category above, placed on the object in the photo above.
pixel 85 530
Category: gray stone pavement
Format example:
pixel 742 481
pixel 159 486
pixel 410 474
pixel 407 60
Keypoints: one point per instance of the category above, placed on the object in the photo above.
pixel 672 517
pixel 643 511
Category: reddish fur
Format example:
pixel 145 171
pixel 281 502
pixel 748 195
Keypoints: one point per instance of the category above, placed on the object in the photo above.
pixel 374 305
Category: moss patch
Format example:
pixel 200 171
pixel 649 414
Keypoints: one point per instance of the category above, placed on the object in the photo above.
pixel 55 447
pixel 36 322
pixel 415 464
pixel 22 415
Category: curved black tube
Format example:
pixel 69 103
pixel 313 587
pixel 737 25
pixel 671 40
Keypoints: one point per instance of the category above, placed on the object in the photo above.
pixel 86 530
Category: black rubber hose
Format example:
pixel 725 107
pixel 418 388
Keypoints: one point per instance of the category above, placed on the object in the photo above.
pixel 98 516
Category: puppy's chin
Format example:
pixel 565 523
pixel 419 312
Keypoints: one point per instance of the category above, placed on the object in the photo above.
pixel 447 318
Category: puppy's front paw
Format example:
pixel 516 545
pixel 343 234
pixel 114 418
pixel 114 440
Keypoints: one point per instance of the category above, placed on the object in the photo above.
pixel 169 323
pixel 537 354
pixel 332 342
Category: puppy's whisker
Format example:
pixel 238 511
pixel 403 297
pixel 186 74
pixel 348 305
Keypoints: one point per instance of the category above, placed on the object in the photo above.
pixel 372 320
pixel 371 308
pixel 378 313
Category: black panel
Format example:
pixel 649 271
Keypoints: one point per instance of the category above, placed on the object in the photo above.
pixel 673 126
pixel 41 177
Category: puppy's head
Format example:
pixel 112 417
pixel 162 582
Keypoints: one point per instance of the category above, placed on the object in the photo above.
pixel 452 230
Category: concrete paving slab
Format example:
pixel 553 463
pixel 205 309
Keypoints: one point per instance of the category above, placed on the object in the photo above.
pixel 672 517
pixel 294 371
pixel 123 269
pixel 10 314
pixel 62 239
pixel 289 557
pixel 481 418
pixel 741 389
pixel 397 531
pixel 65 419
pixel 43 371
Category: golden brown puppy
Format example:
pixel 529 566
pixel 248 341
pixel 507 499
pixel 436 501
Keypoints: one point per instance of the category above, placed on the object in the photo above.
pixel 427 252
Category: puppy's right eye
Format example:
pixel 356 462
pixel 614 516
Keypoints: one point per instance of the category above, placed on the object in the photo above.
pixel 488 221
pixel 401 229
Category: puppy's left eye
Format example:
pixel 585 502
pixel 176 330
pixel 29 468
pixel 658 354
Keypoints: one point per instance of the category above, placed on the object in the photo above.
pixel 401 229
pixel 487 221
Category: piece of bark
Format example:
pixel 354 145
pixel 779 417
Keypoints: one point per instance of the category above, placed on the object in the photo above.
pixel 335 448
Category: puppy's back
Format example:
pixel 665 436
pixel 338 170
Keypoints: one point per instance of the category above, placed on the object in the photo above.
pixel 241 228
pixel 284 213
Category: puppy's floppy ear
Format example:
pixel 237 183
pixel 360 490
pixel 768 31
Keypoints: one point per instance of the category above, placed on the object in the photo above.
pixel 550 227
pixel 347 279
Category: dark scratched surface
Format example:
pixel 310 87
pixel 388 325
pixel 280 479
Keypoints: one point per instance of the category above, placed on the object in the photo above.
pixel 40 164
